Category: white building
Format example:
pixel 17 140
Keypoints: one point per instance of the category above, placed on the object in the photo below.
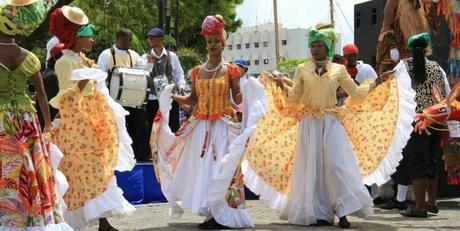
pixel 256 45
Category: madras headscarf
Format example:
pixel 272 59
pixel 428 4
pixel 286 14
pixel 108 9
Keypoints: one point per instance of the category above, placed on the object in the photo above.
pixel 325 35
pixel 214 25
pixel 66 31
pixel 21 20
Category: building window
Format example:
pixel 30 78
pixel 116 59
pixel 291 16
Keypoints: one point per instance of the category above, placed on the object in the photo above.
pixel 284 42
pixel 230 47
pixel 247 45
pixel 265 43
pixel 265 61
pixel 374 16
pixel 238 46
pixel 256 45
pixel 256 62
pixel 248 62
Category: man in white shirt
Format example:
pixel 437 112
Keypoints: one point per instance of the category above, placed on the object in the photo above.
pixel 357 69
pixel 135 121
pixel 163 63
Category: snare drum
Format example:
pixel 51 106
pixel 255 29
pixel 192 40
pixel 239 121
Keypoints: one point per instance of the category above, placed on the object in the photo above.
pixel 130 87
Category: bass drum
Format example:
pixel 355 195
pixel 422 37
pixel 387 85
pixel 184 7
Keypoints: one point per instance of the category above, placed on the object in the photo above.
pixel 130 87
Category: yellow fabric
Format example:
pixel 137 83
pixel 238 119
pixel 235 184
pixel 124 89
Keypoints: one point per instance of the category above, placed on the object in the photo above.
pixel 88 137
pixel 370 124
pixel 214 98
pixel 320 92
pixel 64 67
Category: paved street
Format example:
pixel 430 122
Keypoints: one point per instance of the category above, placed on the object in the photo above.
pixel 153 217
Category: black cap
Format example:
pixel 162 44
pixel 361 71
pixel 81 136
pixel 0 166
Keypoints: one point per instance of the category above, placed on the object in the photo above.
pixel 155 32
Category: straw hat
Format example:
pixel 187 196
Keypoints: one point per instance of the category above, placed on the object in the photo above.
pixel 20 2
pixel 75 15
pixel 324 25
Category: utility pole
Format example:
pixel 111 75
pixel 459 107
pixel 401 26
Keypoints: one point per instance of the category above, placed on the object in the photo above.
pixel 331 9
pixel 277 34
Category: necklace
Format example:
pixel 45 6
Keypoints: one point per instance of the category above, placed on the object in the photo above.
pixel 8 44
pixel 215 69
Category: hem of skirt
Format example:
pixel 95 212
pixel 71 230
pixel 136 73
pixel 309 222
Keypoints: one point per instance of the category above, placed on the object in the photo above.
pixel 402 132
pixel 108 204
pixel 49 227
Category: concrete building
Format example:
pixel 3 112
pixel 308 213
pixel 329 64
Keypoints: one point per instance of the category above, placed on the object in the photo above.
pixel 256 44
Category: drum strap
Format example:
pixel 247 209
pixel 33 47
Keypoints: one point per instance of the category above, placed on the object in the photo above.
pixel 112 51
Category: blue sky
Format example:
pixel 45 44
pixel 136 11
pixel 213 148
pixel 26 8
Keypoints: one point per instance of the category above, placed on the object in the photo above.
pixel 301 13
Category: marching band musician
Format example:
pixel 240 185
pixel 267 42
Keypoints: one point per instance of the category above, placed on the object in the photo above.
pixel 120 55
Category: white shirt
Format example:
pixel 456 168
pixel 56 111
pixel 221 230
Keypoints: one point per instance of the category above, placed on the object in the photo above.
pixel 49 45
pixel 106 56
pixel 177 71
pixel 365 72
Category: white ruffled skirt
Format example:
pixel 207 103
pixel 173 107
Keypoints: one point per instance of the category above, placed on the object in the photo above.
pixel 326 180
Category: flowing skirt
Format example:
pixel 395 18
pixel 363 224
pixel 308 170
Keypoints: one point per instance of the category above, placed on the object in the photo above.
pixel 93 137
pixel 199 165
pixel 31 187
pixel 326 180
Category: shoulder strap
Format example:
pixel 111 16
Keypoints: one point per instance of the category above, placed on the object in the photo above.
pixel 112 51
pixel 130 58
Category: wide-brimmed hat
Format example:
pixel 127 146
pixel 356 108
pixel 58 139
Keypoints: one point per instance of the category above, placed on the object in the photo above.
pixel 75 15
pixel 19 2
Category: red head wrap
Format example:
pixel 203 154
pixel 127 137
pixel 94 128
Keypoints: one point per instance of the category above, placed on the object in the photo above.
pixel 65 30
pixel 213 25
pixel 350 49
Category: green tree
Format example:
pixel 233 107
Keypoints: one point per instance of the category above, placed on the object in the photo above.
pixel 288 66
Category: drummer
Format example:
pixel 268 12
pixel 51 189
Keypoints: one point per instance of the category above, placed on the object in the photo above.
pixel 120 55
pixel 165 63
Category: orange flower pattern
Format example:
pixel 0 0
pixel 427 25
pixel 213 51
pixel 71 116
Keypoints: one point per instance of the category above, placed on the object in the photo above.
pixel 88 138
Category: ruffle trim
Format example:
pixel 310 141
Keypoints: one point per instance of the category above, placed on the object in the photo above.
pixel 110 203
pixel 402 131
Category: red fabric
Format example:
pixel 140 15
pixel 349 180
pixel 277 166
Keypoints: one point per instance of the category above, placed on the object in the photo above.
pixel 350 49
pixel 56 50
pixel 352 71
pixel 63 29
pixel 213 25
pixel 194 73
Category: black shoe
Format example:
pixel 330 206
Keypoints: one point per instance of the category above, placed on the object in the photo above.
pixel 412 211
pixel 432 209
pixel 343 223
pixel 380 201
pixel 322 223
pixel 394 204
pixel 211 225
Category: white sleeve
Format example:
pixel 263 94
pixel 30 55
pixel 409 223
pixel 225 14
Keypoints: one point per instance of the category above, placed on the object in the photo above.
pixel 178 72
pixel 142 63
pixel 102 61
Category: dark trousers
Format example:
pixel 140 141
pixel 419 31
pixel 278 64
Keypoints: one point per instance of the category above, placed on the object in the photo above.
pixel 137 129
pixel 152 109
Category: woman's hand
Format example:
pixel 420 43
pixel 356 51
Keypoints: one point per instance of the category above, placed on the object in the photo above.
pixel 384 77
pixel 278 78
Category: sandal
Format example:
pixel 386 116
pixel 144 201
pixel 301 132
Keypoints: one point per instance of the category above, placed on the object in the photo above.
pixel 412 211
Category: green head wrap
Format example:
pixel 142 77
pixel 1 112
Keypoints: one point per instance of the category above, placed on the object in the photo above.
pixel 327 36
pixel 422 40
pixel 21 20
pixel 85 31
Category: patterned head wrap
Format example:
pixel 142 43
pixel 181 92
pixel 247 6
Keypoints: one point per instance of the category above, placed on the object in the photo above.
pixel 325 35
pixel 66 31
pixel 214 25
pixel 21 20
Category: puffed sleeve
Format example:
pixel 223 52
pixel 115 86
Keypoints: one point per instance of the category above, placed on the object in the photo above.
pixel 31 65
pixel 194 73
pixel 234 71
pixel 356 93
